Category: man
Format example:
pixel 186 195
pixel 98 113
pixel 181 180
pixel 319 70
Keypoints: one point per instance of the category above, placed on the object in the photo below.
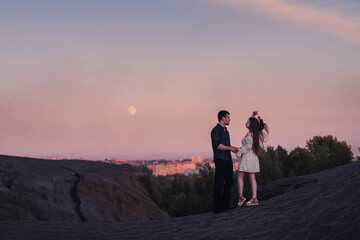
pixel 220 140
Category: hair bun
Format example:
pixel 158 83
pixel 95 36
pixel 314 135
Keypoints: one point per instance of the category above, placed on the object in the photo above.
pixel 254 113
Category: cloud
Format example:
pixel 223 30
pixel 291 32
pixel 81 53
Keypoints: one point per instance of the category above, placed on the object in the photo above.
pixel 306 16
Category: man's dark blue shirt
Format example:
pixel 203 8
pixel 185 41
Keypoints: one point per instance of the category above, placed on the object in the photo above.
pixel 220 134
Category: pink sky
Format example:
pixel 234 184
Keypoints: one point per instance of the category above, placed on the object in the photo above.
pixel 68 74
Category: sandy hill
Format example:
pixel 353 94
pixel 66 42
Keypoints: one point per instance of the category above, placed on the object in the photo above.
pixel 72 191
pixel 324 205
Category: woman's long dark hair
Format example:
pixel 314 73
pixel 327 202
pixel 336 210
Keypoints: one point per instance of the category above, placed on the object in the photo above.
pixel 260 131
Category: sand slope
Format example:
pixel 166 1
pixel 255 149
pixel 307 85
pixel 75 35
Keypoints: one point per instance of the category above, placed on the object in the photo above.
pixel 324 205
pixel 72 191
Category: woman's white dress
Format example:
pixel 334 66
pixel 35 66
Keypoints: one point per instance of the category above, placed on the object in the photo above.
pixel 248 160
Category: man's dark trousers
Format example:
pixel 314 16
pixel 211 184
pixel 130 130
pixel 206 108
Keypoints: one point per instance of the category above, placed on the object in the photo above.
pixel 222 183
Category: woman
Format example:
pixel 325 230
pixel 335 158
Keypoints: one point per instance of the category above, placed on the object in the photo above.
pixel 247 155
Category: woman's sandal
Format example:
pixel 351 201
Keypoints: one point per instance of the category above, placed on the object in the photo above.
pixel 241 201
pixel 252 202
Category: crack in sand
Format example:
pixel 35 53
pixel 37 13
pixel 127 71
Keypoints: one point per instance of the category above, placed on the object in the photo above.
pixel 74 194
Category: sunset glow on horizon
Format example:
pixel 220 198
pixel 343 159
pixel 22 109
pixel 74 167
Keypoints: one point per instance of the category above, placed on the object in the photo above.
pixel 146 79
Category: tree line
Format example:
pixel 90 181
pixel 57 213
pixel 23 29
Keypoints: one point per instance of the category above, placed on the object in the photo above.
pixel 180 195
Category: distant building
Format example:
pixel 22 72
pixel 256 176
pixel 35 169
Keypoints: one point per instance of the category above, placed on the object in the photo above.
pixel 188 168
pixel 163 169
pixel 171 168
pixel 189 171
pixel 196 159
pixel 118 161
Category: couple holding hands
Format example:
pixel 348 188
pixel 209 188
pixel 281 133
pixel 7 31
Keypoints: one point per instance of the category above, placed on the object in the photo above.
pixel 247 155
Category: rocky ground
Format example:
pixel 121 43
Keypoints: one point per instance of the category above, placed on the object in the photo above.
pixel 72 191
pixel 324 205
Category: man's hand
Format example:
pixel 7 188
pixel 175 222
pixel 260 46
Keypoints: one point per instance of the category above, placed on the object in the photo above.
pixel 234 149
pixel 226 148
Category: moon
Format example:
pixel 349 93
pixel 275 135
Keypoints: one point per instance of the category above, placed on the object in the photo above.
pixel 131 110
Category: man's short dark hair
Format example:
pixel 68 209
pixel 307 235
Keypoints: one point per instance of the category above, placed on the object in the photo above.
pixel 222 114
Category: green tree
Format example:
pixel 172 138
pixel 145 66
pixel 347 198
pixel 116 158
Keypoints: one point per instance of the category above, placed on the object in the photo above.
pixel 284 160
pixel 204 183
pixel 181 206
pixel 145 180
pixel 162 192
pixel 300 162
pixel 203 189
pixel 270 166
pixel 328 152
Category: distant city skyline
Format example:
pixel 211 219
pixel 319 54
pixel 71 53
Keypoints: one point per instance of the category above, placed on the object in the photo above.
pixel 145 79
